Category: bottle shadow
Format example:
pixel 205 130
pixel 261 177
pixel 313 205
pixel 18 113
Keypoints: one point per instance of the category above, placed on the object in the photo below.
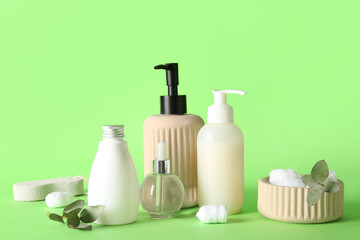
pixel 182 214
pixel 188 212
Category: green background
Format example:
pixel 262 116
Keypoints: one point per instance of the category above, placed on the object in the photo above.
pixel 67 67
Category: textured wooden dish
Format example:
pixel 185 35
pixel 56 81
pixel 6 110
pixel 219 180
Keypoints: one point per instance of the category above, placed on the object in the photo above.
pixel 289 204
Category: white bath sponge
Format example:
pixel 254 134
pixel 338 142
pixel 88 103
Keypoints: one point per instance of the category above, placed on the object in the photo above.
pixel 212 214
pixel 58 199
pixel 37 190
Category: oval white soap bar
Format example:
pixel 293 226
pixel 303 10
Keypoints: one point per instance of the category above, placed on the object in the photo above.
pixel 58 199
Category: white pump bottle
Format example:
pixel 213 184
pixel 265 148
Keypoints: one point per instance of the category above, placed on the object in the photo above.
pixel 220 157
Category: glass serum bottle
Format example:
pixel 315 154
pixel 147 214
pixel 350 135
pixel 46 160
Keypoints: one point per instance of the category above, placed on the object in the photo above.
pixel 162 193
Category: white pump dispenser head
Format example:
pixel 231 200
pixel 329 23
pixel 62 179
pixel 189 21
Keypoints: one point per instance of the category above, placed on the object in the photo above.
pixel 220 112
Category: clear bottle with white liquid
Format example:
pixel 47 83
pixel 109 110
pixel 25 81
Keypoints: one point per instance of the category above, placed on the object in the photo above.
pixel 113 180
pixel 220 157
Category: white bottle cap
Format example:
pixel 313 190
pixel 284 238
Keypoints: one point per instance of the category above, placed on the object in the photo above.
pixel 220 112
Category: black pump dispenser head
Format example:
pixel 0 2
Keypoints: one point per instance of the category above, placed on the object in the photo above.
pixel 173 103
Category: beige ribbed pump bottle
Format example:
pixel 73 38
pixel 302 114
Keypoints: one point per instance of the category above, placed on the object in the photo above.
pixel 179 131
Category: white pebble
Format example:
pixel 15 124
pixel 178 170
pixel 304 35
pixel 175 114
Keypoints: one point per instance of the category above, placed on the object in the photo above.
pixel 285 177
pixel 212 214
pixel 58 199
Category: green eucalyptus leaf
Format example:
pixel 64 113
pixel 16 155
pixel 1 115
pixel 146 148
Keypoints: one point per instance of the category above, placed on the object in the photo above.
pixel 320 172
pixel 75 211
pixel 308 181
pixel 73 220
pixel 56 218
pixel 74 205
pixel 91 213
pixel 314 194
pixel 332 186
pixel 84 226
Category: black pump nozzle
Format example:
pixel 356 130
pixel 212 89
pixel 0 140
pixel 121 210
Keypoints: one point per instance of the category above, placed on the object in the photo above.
pixel 173 103
pixel 172 77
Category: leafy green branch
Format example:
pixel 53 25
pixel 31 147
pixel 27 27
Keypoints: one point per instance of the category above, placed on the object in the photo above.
pixel 318 182
pixel 73 219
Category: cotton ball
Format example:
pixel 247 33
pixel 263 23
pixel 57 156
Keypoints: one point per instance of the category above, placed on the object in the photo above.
pixel 332 176
pixel 212 214
pixel 58 199
pixel 285 177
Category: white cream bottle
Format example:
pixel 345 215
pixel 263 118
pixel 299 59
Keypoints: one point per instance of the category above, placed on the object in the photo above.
pixel 220 157
pixel 113 180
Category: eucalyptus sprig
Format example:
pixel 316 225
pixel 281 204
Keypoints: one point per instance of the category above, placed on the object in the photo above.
pixel 318 182
pixel 71 214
